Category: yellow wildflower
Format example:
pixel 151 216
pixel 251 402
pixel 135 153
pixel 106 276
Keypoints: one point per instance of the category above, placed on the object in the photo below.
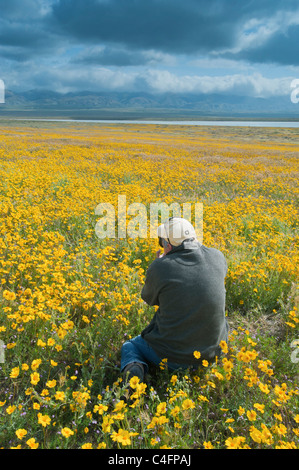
pixel 59 395
pixel 174 379
pixel 202 398
pixel 235 442
pixel 102 445
pixel 9 295
pixel 20 433
pixel 153 441
pixel 264 388
pixel 67 432
pixel 134 381
pixel 280 429
pixel 119 406
pixel 188 404
pixel 251 415
pixel 196 354
pixel 32 444
pixel 35 364
pixel 259 407
pixel 208 445
pixel 15 372
pixel 122 436
pixel 161 408
pixel 174 412
pixel 34 378
pixel 224 347
pixel 100 409
pixel 44 420
pixel 51 383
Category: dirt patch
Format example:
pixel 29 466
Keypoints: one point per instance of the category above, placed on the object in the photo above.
pixel 271 325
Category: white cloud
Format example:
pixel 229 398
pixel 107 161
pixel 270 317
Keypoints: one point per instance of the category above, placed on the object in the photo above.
pixel 156 57
pixel 64 78
pixel 254 33
pixel 87 78
pixel 253 85
pixel 215 62
pixel 71 77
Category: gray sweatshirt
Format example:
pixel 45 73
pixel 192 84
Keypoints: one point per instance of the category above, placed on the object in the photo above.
pixel 188 286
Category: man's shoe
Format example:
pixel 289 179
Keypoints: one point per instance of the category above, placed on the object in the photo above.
pixel 135 369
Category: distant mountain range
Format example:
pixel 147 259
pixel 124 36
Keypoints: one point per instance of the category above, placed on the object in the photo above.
pixel 111 105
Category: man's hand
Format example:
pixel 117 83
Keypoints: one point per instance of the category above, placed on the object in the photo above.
pixel 167 249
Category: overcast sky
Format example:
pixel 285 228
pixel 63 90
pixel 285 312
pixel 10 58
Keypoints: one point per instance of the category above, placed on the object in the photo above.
pixel 197 46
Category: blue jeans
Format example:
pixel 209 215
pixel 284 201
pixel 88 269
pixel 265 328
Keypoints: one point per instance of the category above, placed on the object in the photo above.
pixel 138 350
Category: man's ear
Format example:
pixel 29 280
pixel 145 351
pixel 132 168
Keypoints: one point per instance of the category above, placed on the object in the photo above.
pixel 168 248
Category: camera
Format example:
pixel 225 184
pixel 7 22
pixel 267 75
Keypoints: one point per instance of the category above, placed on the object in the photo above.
pixel 162 242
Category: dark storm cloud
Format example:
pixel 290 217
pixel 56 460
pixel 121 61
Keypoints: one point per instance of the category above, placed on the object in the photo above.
pixel 24 32
pixel 120 57
pixel 111 56
pixel 169 26
pixel 16 9
pixel 282 48
pixel 157 44
pixel 21 35
pixel 174 26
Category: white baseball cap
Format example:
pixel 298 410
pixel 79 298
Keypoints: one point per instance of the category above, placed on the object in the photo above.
pixel 175 230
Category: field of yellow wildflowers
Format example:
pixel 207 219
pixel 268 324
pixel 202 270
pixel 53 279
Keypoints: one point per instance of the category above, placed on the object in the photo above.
pixel 68 300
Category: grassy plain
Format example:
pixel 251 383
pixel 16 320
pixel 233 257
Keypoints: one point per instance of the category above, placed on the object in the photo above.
pixel 68 300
